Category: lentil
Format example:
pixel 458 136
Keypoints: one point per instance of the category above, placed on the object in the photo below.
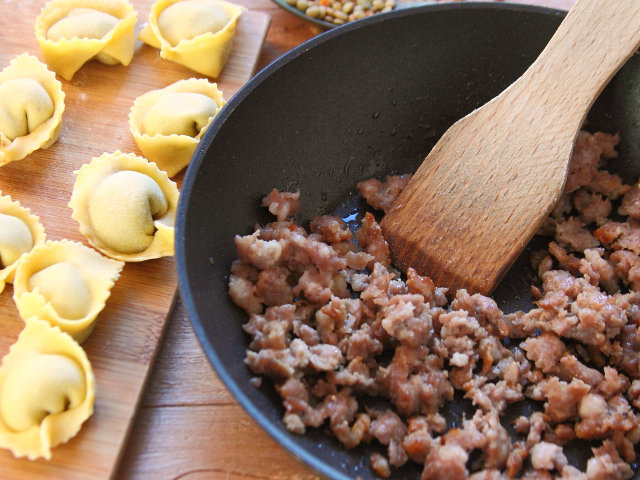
pixel 313 11
pixel 339 15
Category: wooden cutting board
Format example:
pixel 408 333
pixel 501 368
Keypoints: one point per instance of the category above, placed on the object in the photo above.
pixel 126 338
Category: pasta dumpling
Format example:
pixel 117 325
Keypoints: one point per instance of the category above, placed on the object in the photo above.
pixel 26 106
pixel 65 283
pixel 15 237
pixel 55 283
pixel 31 107
pixel 20 231
pixel 72 32
pixel 82 23
pixel 126 207
pixel 52 380
pixel 195 33
pixel 167 124
pixel 182 113
pixel 47 391
pixel 189 18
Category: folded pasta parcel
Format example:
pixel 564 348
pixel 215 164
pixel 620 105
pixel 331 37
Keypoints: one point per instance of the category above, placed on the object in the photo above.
pixel 31 107
pixel 72 32
pixel 20 231
pixel 167 124
pixel 126 207
pixel 47 391
pixel 65 283
pixel 195 33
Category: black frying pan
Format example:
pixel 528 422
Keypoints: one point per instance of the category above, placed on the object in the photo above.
pixel 364 100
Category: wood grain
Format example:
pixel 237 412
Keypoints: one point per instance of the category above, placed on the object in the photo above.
pixel 490 181
pixel 224 423
pixel 126 339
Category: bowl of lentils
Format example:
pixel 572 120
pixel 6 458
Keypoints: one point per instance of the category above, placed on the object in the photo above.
pixel 332 13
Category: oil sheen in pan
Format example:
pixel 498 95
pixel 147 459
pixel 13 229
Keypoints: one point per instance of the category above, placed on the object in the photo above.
pixel 513 293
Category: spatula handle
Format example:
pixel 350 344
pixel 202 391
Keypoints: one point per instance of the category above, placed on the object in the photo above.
pixel 593 41
pixel 492 178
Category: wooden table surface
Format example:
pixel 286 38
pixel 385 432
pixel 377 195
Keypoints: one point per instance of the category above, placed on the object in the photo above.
pixel 189 427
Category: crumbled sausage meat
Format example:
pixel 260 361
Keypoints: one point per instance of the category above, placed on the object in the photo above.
pixel 332 323
pixel 381 195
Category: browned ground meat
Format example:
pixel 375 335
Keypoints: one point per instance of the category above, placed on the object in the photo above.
pixel 592 207
pixel 331 323
pixel 630 205
pixel 381 195
pixel 282 204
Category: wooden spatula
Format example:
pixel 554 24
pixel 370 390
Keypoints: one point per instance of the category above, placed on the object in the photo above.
pixel 490 181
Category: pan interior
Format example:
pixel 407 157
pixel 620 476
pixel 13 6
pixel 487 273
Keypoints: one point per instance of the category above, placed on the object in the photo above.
pixel 365 100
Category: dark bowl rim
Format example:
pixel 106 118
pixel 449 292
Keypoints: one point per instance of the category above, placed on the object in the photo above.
pixel 283 439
